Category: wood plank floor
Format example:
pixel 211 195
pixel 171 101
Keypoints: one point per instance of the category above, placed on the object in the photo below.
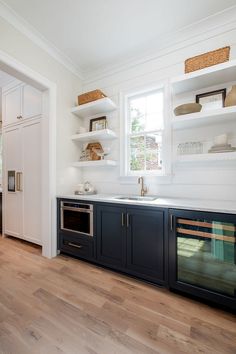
pixel 69 306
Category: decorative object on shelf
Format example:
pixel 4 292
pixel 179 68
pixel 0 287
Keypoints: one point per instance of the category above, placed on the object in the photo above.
pixel 221 144
pixel 223 148
pixel 103 153
pixel 212 100
pixel 190 148
pixel 90 96
pixel 205 60
pixel 92 150
pixel 231 97
pixel 220 140
pixel 187 108
pixel 98 123
pixel 85 155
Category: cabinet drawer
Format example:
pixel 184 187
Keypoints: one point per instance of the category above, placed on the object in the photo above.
pixel 77 246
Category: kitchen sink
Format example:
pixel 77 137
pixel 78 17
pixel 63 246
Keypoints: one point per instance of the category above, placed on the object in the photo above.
pixel 137 198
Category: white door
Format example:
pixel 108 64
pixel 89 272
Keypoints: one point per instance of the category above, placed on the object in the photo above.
pixel 32 102
pixel 12 201
pixel 31 181
pixel 12 106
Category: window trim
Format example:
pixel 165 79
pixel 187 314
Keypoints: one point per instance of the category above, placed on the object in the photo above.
pixel 166 132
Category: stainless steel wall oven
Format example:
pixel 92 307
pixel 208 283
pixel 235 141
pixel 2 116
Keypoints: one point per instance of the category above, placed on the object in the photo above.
pixel 77 217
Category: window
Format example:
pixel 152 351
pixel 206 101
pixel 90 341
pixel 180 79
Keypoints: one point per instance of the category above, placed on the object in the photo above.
pixel 144 133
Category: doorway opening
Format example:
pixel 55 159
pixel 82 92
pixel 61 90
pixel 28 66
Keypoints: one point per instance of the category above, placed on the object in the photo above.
pixel 32 137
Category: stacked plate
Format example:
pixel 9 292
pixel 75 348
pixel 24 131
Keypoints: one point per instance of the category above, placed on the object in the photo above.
pixel 222 148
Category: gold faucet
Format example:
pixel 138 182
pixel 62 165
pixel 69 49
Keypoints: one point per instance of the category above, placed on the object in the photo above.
pixel 143 188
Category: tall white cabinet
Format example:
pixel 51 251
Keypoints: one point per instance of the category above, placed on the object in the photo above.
pixel 22 115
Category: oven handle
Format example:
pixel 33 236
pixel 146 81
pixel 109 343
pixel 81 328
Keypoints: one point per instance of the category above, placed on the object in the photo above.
pixel 77 209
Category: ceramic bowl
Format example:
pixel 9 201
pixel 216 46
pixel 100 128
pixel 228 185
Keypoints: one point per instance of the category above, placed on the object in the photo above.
pixel 187 108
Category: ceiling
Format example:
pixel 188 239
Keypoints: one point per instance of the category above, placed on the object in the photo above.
pixel 97 33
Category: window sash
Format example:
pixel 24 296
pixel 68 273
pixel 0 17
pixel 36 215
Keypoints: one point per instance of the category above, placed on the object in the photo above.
pixel 145 133
pixel 128 162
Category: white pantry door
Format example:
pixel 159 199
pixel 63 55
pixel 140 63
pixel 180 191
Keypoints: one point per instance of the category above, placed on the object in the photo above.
pixel 32 189
pixel 12 153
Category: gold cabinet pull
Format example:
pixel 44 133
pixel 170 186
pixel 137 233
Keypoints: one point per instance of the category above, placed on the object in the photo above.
pixel 127 220
pixel 19 181
pixel 171 222
pixel 123 219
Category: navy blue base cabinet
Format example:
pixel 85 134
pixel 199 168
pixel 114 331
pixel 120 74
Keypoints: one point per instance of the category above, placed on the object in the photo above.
pixel 202 255
pixel 132 239
pixel 192 252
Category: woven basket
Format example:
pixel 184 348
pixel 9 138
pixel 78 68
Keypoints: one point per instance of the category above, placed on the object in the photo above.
pixel 207 59
pixel 90 96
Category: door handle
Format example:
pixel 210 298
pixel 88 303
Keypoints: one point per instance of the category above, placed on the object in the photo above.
pixel 171 222
pixel 122 219
pixel 18 182
pixel 127 220
pixel 74 245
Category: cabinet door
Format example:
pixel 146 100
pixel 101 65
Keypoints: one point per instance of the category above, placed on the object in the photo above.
pixel 111 232
pixel 12 108
pixel 31 181
pixel 12 211
pixel 32 102
pixel 203 255
pixel 145 243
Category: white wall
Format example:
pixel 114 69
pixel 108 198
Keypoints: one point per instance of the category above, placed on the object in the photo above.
pixel 25 51
pixel 209 181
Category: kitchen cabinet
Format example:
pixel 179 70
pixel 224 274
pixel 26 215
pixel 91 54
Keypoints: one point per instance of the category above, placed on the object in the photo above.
pixel 12 105
pixel 78 246
pixel 22 159
pixel 111 235
pixel 145 242
pixel 20 102
pixel 12 161
pixel 132 239
pixel 32 102
pixel 202 255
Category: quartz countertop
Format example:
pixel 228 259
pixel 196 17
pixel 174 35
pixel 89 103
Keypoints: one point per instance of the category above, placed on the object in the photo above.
pixel 178 203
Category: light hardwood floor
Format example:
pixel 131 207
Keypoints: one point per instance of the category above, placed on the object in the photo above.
pixel 69 306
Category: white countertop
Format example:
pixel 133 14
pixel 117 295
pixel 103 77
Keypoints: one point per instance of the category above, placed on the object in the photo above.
pixel 190 204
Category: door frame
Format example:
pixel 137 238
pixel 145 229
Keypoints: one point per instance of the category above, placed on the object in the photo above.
pixel 48 174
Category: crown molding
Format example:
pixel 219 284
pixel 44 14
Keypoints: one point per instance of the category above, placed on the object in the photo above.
pixel 207 28
pixel 36 37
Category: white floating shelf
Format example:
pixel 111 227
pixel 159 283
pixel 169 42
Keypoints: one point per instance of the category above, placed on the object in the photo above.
pixel 194 120
pixel 91 109
pixel 104 134
pixel 223 156
pixel 214 75
pixel 97 163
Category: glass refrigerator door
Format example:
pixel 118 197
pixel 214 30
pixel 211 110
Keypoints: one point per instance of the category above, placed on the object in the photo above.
pixel 206 254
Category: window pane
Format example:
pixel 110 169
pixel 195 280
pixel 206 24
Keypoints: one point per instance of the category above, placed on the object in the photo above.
pixel 155 102
pixel 146 112
pixel 153 152
pixel 137 153
pixel 154 121
pixel 137 114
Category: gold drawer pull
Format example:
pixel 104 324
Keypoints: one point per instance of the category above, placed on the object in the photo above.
pixel 74 245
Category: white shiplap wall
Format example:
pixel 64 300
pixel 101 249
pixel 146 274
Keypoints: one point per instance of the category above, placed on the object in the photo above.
pixel 206 181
